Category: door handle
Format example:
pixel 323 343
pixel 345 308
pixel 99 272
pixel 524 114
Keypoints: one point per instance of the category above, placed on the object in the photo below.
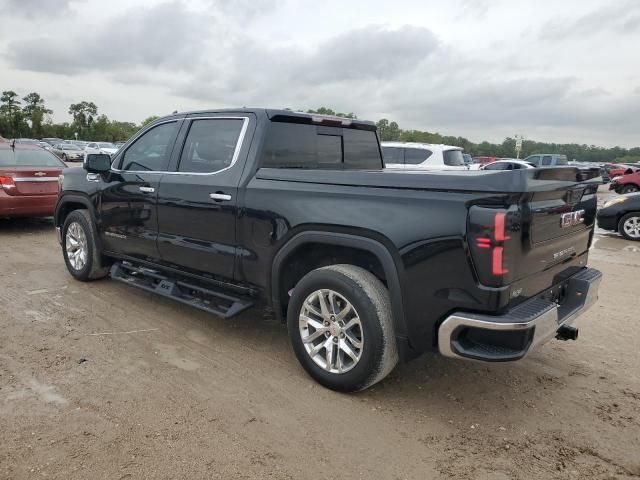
pixel 219 197
pixel 147 189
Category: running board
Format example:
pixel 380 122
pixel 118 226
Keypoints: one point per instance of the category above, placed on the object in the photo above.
pixel 213 301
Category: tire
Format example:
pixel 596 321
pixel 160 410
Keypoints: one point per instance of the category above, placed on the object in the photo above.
pixel 630 188
pixel 372 328
pixel 83 266
pixel 629 226
pixel 64 157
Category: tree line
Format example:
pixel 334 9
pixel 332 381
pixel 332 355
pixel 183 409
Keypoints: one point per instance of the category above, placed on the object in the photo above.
pixel 391 131
pixel 29 117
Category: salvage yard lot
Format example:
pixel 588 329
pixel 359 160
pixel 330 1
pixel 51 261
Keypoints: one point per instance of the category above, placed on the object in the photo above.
pixel 99 380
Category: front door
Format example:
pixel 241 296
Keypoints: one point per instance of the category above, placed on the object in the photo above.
pixel 128 200
pixel 197 202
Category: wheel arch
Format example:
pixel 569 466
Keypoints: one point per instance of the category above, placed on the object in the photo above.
pixel 340 240
pixel 70 202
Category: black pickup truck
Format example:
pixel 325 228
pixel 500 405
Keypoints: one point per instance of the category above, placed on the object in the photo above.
pixel 229 209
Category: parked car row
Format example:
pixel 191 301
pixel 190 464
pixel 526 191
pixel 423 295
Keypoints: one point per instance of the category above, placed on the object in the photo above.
pixel 67 150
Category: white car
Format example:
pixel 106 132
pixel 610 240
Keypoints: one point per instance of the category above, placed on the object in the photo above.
pixel 422 156
pixel 507 164
pixel 100 147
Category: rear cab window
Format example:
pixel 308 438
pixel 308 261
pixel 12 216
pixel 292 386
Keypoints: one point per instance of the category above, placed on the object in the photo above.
pixel 309 146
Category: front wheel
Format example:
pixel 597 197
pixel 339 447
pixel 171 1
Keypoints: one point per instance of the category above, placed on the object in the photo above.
pixel 79 248
pixel 629 226
pixel 341 328
pixel 630 188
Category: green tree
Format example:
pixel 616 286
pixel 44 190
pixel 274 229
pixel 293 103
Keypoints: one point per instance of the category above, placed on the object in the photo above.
pixel 83 114
pixel 34 110
pixel 148 120
pixel 10 110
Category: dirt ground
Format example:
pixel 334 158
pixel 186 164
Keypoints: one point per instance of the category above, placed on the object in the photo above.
pixel 101 380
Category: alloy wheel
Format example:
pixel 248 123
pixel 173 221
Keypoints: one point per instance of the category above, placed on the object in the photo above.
pixel 76 246
pixel 631 227
pixel 331 331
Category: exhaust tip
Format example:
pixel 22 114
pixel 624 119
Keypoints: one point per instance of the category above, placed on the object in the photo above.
pixel 567 332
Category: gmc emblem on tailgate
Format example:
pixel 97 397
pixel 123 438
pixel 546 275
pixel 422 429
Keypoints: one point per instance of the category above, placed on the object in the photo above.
pixel 572 219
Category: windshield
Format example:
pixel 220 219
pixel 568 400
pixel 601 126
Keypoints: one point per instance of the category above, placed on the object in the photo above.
pixel 453 158
pixel 28 158
pixel 70 146
pixel 106 145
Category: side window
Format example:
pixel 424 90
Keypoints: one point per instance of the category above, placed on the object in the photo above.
pixel 152 150
pixel 392 155
pixel 453 158
pixel 415 156
pixel 535 160
pixel 210 145
pixel 562 160
pixel 495 166
pixel 546 160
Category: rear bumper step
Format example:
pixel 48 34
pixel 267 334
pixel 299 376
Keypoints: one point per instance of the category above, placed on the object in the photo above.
pixel 219 303
pixel 512 336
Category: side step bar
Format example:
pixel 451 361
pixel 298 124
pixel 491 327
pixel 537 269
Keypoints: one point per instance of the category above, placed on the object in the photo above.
pixel 213 301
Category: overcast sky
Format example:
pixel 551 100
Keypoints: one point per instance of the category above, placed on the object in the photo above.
pixel 564 71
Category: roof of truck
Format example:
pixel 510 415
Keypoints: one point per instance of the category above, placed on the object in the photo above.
pixel 275 115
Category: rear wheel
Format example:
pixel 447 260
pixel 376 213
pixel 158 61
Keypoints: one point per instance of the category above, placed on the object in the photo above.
pixel 79 248
pixel 630 188
pixel 629 226
pixel 340 323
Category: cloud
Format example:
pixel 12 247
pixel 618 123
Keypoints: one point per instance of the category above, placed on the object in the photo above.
pixel 622 17
pixel 167 35
pixel 35 8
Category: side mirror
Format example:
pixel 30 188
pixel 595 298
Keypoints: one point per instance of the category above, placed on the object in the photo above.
pixel 97 163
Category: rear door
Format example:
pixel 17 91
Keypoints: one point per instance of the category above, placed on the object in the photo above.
pixel 198 200
pixel 128 200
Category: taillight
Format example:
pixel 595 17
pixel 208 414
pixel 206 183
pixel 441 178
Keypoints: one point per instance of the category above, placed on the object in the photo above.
pixel 7 183
pixel 489 237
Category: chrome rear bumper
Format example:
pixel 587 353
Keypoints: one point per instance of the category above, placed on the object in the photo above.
pixel 513 335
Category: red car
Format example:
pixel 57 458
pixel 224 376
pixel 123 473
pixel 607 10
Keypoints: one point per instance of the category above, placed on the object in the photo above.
pixel 28 181
pixel 621 170
pixel 627 183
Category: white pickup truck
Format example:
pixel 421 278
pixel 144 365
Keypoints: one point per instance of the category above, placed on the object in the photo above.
pixel 422 156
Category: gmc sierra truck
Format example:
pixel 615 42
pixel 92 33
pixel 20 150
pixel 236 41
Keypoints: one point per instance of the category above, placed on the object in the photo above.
pixel 229 209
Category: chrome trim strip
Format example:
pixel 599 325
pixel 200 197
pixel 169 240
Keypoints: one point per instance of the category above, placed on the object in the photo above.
pixel 35 179
pixel 234 159
pixel 546 325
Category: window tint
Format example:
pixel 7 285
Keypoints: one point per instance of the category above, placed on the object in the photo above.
pixel 453 158
pixel 329 150
pixel 361 150
pixel 152 150
pixel 415 156
pixel 546 160
pixel 210 145
pixel 535 160
pixel 294 145
pixel 392 155
pixel 496 166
